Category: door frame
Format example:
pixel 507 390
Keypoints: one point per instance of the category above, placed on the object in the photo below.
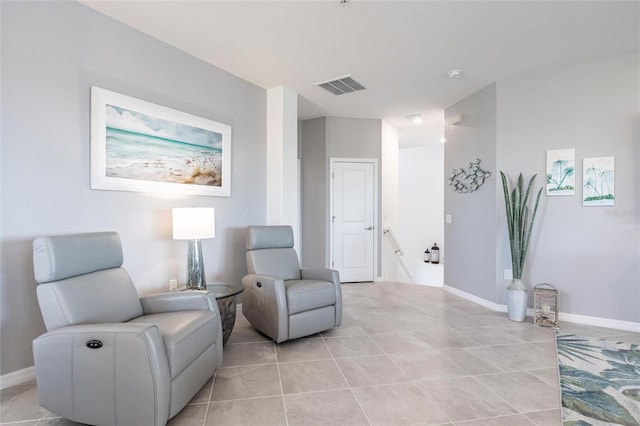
pixel 376 233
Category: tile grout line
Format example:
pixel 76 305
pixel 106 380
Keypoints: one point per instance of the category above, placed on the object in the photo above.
pixel 284 402
pixel 364 413
pixel 213 383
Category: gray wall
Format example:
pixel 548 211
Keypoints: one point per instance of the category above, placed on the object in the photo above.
pixel 314 172
pixel 52 52
pixel 589 253
pixel 470 239
pixel 323 139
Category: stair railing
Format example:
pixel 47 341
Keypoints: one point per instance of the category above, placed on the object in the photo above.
pixel 398 251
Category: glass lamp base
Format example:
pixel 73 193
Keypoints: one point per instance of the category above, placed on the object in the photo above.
pixel 196 279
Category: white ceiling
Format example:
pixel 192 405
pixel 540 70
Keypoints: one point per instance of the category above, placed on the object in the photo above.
pixel 400 50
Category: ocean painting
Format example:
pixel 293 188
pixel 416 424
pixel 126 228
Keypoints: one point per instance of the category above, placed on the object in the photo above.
pixel 598 181
pixel 141 146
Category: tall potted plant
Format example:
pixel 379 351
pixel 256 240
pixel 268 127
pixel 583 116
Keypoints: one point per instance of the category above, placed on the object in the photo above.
pixel 520 225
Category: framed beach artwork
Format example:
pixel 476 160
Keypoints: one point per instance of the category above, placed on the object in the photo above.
pixel 561 167
pixel 598 181
pixel 144 147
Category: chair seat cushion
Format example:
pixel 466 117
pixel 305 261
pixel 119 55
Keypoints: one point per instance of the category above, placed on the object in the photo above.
pixel 304 295
pixel 186 335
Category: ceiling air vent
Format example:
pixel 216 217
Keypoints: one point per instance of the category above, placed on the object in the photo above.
pixel 341 85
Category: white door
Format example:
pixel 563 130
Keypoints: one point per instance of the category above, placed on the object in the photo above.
pixel 353 220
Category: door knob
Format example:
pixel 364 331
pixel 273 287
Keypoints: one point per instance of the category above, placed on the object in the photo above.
pixel 369 228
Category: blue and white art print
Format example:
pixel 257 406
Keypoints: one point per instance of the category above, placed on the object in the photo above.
pixel 141 146
pixel 561 167
pixel 598 181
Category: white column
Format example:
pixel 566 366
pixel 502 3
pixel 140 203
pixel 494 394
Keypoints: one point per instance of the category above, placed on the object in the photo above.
pixel 283 198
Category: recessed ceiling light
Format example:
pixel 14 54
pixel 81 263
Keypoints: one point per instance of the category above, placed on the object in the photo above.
pixel 416 118
pixel 443 140
pixel 455 73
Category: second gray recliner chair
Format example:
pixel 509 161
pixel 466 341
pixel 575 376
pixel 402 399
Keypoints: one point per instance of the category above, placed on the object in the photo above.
pixel 280 299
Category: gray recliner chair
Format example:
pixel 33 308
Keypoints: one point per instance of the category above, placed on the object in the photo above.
pixel 280 299
pixel 110 357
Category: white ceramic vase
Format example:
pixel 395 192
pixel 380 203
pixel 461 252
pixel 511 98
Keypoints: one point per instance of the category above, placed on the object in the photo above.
pixel 517 300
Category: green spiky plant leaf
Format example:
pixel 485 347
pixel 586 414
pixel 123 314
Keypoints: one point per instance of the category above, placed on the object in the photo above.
pixel 519 221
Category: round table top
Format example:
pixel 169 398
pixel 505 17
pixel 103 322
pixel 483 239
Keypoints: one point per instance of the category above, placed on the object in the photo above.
pixel 222 290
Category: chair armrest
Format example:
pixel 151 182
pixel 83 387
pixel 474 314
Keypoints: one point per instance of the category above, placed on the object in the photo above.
pixel 322 274
pixel 122 380
pixel 330 275
pixel 196 300
pixel 264 304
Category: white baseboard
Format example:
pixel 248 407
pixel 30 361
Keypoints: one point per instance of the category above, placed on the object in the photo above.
pixel 562 316
pixel 600 322
pixel 17 377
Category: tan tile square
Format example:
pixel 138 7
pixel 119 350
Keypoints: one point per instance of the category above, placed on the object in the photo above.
pixel 376 370
pixel 486 336
pixel 427 365
pixel 248 354
pixel 522 391
pixel 246 334
pixel 346 347
pixel 247 412
pixel 548 375
pixel 400 404
pixel 324 408
pixel 311 376
pixel 56 421
pixel 517 420
pixel 191 415
pixel 480 360
pixel 446 338
pixel 246 382
pixel 302 350
pixel 20 403
pixel 532 333
pixel 391 343
pixel 343 331
pixel 464 399
pixel 545 418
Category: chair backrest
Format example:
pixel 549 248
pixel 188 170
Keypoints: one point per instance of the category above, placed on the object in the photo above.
pixel 270 252
pixel 81 280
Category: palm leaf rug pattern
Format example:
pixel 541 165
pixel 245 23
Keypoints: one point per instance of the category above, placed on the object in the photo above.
pixel 599 381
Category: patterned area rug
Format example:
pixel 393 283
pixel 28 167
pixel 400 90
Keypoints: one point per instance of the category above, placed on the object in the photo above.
pixel 599 381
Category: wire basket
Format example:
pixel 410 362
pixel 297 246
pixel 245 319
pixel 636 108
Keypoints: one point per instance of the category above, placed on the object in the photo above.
pixel 545 305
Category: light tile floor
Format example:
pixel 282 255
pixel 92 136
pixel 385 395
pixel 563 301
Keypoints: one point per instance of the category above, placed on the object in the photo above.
pixel 404 355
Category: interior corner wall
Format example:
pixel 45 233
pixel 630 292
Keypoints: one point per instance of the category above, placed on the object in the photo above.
pixel 389 175
pixel 314 169
pixel 589 253
pixel 52 53
pixel 322 139
pixel 421 215
pixel 357 138
pixel 470 239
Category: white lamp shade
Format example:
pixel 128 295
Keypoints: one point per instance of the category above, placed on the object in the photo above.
pixel 194 223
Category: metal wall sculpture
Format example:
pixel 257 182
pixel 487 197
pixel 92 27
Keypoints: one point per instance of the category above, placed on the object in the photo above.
pixel 468 180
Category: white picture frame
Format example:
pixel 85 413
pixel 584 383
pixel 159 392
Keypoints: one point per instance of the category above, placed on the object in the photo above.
pixel 144 147
pixel 561 172
pixel 598 181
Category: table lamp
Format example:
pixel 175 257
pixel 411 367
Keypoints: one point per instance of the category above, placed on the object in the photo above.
pixel 194 224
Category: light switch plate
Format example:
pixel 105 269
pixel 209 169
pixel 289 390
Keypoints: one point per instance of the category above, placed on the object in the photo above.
pixel 508 274
pixel 447 218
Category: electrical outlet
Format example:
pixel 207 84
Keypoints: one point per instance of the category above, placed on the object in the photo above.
pixel 173 285
pixel 508 274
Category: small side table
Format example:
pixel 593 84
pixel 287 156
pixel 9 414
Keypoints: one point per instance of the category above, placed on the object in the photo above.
pixel 226 295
